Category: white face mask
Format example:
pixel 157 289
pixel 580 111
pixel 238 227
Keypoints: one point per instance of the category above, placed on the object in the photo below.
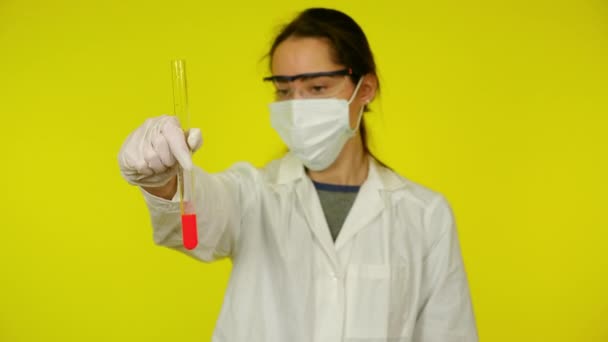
pixel 315 130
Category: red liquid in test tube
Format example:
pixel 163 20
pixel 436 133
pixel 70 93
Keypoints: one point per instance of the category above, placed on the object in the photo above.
pixel 189 232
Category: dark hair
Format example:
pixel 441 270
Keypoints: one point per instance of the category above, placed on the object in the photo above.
pixel 347 41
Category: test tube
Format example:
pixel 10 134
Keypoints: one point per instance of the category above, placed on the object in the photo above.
pixel 185 179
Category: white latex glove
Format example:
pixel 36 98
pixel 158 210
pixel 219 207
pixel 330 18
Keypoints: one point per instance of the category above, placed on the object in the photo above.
pixel 150 154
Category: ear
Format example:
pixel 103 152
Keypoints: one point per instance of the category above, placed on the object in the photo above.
pixel 367 91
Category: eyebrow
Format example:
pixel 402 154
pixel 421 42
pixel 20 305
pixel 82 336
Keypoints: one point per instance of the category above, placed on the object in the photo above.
pixel 285 78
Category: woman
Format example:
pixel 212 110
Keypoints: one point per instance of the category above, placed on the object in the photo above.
pixel 326 243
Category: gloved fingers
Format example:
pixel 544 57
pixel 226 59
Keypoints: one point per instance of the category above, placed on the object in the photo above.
pixel 142 168
pixel 161 147
pixel 177 143
pixel 194 139
pixel 152 159
pixel 126 167
pixel 131 161
pixel 156 149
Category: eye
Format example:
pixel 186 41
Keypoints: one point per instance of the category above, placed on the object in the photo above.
pixel 318 89
pixel 281 92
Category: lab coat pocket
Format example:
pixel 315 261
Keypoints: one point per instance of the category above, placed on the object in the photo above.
pixel 372 292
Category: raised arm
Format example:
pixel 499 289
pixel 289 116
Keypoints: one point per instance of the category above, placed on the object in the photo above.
pixel 149 158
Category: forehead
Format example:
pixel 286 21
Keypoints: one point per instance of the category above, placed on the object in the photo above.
pixel 302 55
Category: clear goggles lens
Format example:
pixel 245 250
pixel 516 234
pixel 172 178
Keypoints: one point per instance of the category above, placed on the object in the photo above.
pixel 309 86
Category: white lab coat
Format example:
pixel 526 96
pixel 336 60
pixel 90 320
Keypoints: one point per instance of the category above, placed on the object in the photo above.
pixel 395 272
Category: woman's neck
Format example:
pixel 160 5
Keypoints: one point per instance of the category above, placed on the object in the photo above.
pixel 350 168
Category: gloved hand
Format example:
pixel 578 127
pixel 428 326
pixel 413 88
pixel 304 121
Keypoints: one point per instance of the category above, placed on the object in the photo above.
pixel 150 154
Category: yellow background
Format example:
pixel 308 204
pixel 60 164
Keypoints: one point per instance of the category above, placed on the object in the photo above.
pixel 500 105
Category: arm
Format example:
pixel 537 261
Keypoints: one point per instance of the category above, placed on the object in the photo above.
pixel 149 157
pixel 446 313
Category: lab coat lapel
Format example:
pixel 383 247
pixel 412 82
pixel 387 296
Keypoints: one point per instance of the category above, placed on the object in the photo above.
pixel 311 206
pixel 368 205
pixel 292 170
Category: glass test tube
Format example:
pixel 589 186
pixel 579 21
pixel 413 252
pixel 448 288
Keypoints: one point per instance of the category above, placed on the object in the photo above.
pixel 185 179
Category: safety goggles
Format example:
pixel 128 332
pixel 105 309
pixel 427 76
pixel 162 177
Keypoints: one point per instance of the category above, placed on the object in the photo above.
pixel 319 85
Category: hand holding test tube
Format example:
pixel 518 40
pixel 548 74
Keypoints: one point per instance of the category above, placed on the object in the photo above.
pixel 185 178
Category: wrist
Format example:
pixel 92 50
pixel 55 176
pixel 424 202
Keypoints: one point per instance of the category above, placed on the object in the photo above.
pixel 166 191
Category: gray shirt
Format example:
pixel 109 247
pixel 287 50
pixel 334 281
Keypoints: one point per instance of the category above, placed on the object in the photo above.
pixel 336 201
